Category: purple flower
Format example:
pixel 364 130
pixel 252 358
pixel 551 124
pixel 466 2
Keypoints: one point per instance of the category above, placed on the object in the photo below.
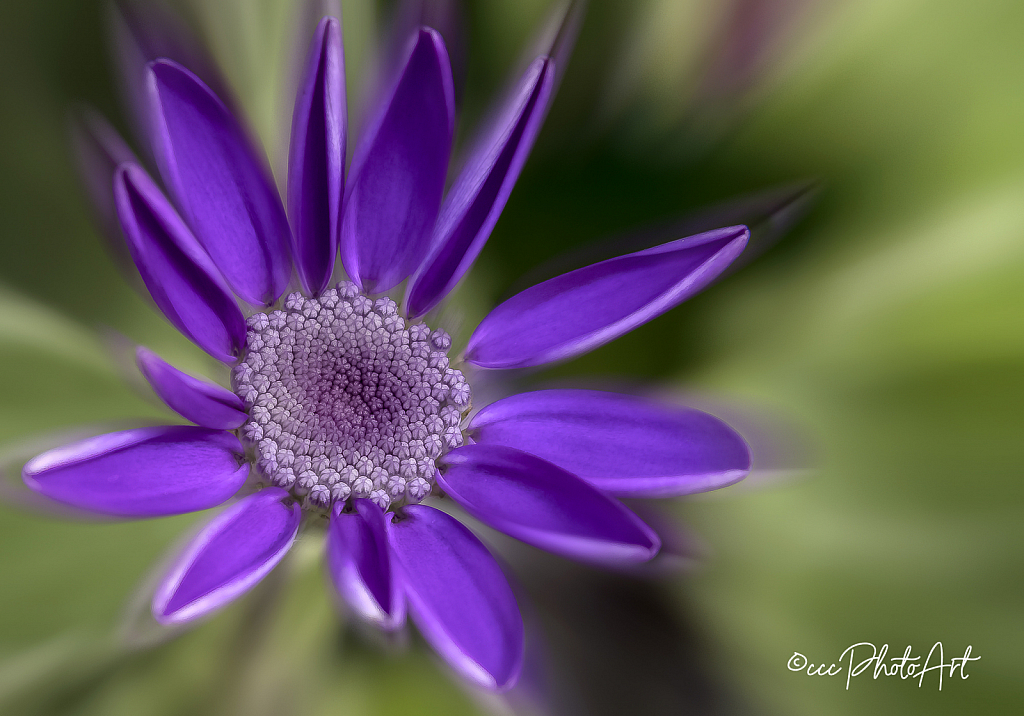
pixel 345 404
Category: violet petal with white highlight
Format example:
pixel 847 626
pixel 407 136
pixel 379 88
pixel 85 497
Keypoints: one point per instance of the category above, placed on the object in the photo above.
pixel 578 311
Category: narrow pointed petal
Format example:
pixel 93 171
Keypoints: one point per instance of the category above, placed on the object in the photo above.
pixel 359 563
pixel 178 273
pixel 458 596
pixel 448 17
pixel 619 443
pixel 146 472
pixel 316 158
pixel 236 550
pixel 202 403
pixel 143 32
pixel 99 150
pixel 565 24
pixel 578 311
pixel 541 504
pixel 769 215
pixel 219 182
pixel 398 171
pixel 478 196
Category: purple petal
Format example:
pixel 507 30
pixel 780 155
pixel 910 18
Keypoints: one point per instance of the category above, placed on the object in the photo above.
pixel 229 557
pixel 219 183
pixel 541 504
pixel 360 564
pixel 202 403
pixel 316 159
pixel 583 309
pixel 178 273
pixel 622 444
pixel 146 472
pixel 475 201
pixel 398 171
pixel 458 596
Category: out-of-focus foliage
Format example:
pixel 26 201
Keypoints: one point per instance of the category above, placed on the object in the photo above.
pixel 886 330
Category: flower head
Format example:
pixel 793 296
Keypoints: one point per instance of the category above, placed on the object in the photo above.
pixel 345 408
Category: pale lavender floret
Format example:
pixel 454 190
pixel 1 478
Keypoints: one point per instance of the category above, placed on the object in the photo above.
pixel 293 302
pixel 306 481
pixel 407 467
pixel 340 492
pixel 285 457
pixel 347 289
pixel 320 496
pixel 434 423
pixel 395 487
pixel 381 498
pixel 451 415
pixel 434 445
pixel 460 394
pixel 362 486
pixel 452 437
pixel 380 477
pixel 418 488
pixel 284 477
pixel 253 432
pixel 441 340
pixel 272 430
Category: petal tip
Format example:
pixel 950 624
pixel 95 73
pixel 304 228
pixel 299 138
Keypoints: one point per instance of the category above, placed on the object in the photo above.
pixel 316 158
pixel 578 311
pixel 397 175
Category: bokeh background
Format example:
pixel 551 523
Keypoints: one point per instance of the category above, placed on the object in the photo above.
pixel 873 350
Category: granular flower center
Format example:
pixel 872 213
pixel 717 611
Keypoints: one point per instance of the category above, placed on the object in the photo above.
pixel 345 399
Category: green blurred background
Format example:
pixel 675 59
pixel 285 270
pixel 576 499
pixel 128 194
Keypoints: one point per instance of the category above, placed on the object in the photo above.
pixel 882 336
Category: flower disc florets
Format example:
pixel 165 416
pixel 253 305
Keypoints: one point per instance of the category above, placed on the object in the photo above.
pixel 345 399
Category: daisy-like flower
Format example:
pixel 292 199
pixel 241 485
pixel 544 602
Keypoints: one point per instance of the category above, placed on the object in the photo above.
pixel 346 409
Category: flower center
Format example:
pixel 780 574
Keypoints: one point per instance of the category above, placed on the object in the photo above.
pixel 347 400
